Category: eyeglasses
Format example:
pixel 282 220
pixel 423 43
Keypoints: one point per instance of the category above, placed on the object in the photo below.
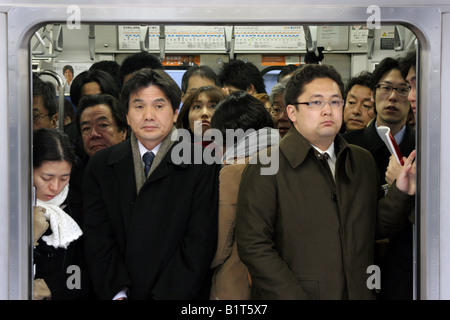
pixel 38 116
pixel 319 104
pixel 387 89
pixel 276 111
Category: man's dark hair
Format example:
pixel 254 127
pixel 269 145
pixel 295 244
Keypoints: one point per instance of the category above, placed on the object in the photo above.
pixel 385 65
pixel 305 75
pixel 105 81
pixel 290 68
pixel 68 67
pixel 147 77
pixel 109 66
pixel 137 61
pixel 364 79
pixel 240 110
pixel 202 71
pixel 409 61
pixel 113 103
pixel 47 91
pixel 242 75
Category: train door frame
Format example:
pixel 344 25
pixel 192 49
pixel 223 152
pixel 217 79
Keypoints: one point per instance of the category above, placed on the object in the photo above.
pixel 424 21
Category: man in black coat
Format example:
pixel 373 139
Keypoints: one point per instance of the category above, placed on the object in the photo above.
pixel 392 107
pixel 150 235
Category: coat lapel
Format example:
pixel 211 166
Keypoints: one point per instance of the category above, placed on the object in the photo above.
pixel 121 159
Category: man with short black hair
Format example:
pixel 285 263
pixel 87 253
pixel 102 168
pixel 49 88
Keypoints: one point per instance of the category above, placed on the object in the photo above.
pixel 45 106
pixel 308 231
pixel 150 219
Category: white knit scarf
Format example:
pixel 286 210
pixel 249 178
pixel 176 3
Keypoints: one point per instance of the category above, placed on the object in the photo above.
pixel 64 228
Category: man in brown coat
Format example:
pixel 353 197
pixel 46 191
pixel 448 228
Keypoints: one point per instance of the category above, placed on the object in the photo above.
pixel 308 231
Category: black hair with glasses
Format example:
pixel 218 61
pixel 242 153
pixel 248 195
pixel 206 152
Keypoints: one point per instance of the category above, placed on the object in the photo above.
pixel 47 91
pixel 305 75
pixel 385 66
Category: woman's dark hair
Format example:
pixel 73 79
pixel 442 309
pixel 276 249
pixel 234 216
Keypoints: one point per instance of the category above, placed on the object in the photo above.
pixel 51 145
pixel 114 105
pixel 148 77
pixel 240 110
pixel 202 71
pixel 214 93
pixel 305 75
pixel 106 82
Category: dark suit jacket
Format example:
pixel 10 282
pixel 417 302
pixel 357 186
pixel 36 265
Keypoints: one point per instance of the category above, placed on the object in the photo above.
pixel 369 139
pixel 396 265
pixel 158 243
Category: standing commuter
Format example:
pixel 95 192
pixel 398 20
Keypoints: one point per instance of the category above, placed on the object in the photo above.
pixel 150 224
pixel 397 268
pixel 308 231
pixel 239 110
pixel 278 108
pixel 45 106
pixel 359 108
pixel 59 266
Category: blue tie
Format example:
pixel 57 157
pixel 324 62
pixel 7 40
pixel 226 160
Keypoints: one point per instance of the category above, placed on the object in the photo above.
pixel 148 159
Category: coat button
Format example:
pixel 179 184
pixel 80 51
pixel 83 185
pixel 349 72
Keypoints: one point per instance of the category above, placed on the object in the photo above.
pixel 334 197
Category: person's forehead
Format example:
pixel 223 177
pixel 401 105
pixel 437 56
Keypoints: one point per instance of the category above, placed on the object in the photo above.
pixel 197 81
pixel 96 111
pixel 319 86
pixel 38 103
pixel 393 75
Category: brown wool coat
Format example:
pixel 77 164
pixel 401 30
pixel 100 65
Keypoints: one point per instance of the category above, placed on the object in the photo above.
pixel 304 236
pixel 230 279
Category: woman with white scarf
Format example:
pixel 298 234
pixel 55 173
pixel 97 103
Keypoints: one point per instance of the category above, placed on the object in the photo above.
pixel 58 262
pixel 248 130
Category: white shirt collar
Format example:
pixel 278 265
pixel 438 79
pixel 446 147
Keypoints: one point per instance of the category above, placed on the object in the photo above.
pixel 330 152
pixel 143 150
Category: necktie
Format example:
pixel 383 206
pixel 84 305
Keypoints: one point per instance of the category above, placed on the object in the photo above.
pixel 148 159
pixel 330 163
